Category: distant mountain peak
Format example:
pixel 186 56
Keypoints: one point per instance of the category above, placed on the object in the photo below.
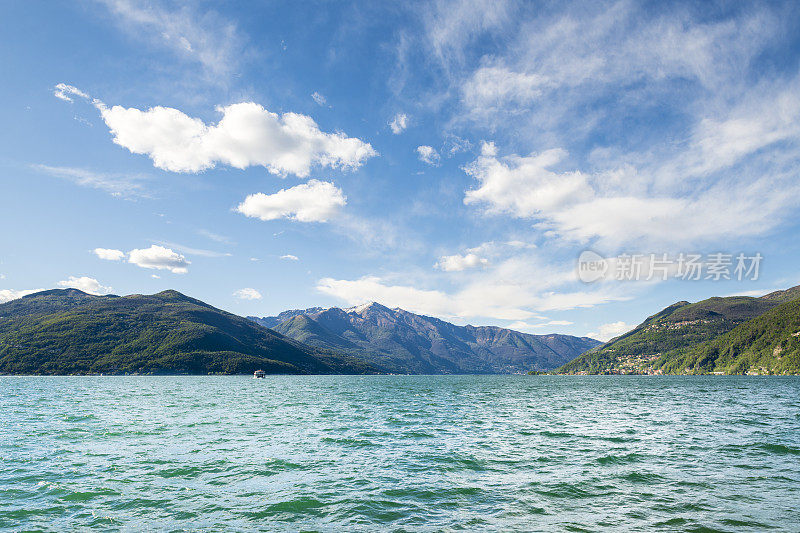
pixel 402 341
pixel 57 292
pixel 369 305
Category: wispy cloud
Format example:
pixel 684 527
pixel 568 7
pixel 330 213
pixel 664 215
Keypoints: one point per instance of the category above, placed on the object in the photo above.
pixel 201 36
pixel 216 237
pixel 193 251
pixel 121 185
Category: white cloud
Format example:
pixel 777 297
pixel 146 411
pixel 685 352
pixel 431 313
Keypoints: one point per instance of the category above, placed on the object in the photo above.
pixel 315 201
pixel 371 288
pixel 109 254
pixel 569 57
pixel 203 37
pixel 625 205
pixel 457 263
pixel 247 293
pixel 6 295
pixel 246 135
pixel 606 332
pixel 451 25
pixel 159 257
pixel 66 92
pixel 399 123
pixel 290 257
pixel 427 154
pixel 766 116
pixel 194 251
pixel 215 236
pixel 508 293
pixel 524 186
pixel 319 99
pixel 116 184
pixel 492 88
pixel 85 284
pixel 525 326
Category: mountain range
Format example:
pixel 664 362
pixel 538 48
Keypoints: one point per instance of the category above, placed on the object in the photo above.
pixel 67 331
pixel 404 342
pixel 723 335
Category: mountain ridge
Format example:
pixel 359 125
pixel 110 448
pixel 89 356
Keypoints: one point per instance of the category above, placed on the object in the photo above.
pixel 401 340
pixel 67 331
pixel 669 341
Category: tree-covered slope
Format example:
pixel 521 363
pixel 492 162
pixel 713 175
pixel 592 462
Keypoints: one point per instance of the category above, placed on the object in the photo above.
pixel 674 332
pixel 405 342
pixel 70 332
pixel 767 344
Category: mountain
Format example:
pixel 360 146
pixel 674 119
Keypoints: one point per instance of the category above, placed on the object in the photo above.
pixel 70 332
pixel 404 342
pixel 767 344
pixel 719 334
pixel 272 321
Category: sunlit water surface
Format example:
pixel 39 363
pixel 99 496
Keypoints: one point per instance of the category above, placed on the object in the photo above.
pixel 417 453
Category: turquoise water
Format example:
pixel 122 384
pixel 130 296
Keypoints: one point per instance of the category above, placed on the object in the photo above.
pixel 416 453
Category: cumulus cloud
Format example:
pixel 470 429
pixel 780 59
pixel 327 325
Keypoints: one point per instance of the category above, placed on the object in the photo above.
pixel 606 332
pixel 524 186
pixel 246 135
pixel 6 295
pixel 160 258
pixel 109 254
pixel 399 123
pixel 427 154
pixel 315 201
pixel 248 293
pixel 457 263
pixel 85 284
pixel 290 257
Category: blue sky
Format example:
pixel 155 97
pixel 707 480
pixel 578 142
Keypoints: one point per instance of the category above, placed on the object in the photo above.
pixel 450 158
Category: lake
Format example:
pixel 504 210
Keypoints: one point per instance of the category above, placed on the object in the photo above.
pixel 415 453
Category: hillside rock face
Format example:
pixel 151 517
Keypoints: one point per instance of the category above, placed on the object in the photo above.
pixel 405 342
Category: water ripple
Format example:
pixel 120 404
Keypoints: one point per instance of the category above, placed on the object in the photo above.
pixel 400 453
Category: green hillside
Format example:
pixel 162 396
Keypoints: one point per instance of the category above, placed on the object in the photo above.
pixel 682 338
pixel 70 332
pixel 768 344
